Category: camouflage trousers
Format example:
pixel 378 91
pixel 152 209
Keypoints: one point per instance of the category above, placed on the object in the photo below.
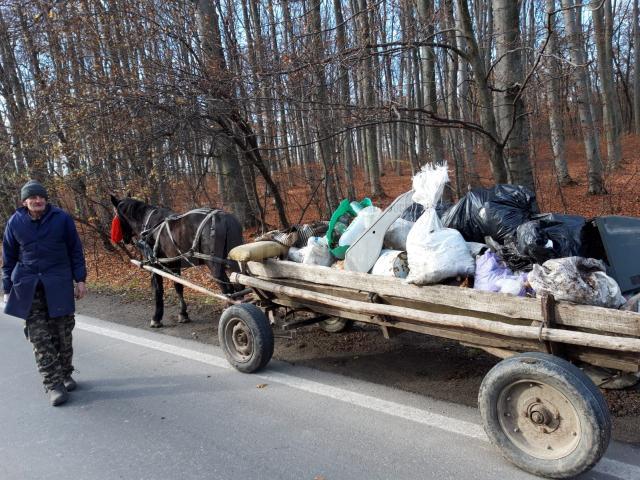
pixel 51 340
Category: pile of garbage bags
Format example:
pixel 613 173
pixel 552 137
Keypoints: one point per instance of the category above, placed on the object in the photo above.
pixel 494 238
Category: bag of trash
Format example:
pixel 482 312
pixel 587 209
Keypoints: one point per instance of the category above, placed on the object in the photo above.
pixel 338 224
pixel 434 253
pixel 396 236
pixel 316 252
pixel 391 263
pixel 546 236
pixel 494 212
pixel 550 237
pixel 492 275
pixel 476 248
pixel 413 212
pixel 364 219
pixel 576 279
pixel 296 254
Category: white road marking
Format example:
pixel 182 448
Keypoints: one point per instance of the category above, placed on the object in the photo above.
pixel 614 468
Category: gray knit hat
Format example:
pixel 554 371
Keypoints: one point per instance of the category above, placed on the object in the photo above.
pixel 33 188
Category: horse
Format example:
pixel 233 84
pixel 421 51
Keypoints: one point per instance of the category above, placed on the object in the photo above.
pixel 173 242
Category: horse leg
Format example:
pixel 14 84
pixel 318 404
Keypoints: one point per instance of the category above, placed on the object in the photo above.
pixel 183 316
pixel 158 290
pixel 218 273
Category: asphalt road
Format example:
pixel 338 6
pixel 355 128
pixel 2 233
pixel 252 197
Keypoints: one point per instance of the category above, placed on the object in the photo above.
pixel 154 407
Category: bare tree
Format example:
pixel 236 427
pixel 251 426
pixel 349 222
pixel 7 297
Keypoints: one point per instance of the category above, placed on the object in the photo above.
pixel 556 125
pixel 601 15
pixel 509 79
pixel 589 134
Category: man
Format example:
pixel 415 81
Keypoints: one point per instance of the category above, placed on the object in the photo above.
pixel 41 257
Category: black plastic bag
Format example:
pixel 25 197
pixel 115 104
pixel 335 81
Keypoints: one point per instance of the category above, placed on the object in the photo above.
pixel 549 235
pixel 496 212
pixel 413 212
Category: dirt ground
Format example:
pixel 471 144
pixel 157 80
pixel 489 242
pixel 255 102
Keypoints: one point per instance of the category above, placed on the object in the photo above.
pixel 416 363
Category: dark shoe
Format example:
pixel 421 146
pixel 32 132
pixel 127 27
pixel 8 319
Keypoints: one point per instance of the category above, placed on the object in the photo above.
pixel 58 395
pixel 70 384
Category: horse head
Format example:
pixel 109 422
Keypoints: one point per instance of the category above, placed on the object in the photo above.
pixel 130 213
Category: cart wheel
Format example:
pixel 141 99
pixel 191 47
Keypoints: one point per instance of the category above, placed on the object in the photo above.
pixel 335 324
pixel 246 337
pixel 544 415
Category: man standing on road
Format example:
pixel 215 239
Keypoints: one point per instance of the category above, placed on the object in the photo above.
pixel 41 257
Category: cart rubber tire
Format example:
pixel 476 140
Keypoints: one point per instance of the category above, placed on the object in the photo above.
pixel 245 337
pixel 335 324
pixel 544 415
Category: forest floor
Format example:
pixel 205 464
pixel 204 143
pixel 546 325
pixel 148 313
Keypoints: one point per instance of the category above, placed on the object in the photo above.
pixel 417 363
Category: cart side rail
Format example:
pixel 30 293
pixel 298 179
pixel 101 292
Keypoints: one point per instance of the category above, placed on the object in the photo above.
pixel 598 319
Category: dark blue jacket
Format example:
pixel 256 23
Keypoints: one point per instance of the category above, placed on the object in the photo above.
pixel 47 250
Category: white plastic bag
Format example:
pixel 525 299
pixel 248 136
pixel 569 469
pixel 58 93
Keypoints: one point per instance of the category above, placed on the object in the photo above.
pixel 434 253
pixel 296 254
pixel 396 236
pixel 391 263
pixel 317 252
pixel 363 220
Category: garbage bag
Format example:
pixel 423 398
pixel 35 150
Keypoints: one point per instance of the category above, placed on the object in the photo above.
pixel 391 263
pixel 576 279
pixel 396 236
pixel 568 226
pixel 494 212
pixel 316 252
pixel 434 253
pixel 492 275
pixel 364 219
pixel 547 236
pixel 413 212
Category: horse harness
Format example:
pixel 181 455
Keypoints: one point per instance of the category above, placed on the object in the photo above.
pixel 151 254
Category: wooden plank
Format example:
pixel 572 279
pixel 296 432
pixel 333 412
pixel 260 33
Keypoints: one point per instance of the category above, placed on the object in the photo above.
pixel 622 344
pixel 600 358
pixel 361 295
pixel 479 338
pixel 579 316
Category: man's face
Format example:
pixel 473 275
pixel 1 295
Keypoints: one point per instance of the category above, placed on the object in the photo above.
pixel 35 204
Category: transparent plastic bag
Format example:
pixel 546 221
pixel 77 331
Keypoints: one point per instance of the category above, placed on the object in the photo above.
pixel 576 279
pixel 434 253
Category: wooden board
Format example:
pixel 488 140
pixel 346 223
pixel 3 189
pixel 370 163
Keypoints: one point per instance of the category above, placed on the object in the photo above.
pixel 580 316
pixel 490 343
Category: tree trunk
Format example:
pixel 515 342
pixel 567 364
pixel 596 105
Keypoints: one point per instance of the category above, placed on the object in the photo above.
pixel 509 78
pixel 487 117
pixel 556 126
pixel 636 66
pixel 605 70
pixel 589 134
pixel 428 73
pixel 375 187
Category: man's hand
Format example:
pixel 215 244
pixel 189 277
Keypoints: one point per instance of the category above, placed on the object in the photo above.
pixel 5 298
pixel 81 290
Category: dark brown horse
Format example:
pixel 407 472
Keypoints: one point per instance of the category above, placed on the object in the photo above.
pixel 173 242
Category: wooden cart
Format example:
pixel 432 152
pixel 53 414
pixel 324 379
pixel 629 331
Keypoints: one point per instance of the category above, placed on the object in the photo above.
pixel 538 408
